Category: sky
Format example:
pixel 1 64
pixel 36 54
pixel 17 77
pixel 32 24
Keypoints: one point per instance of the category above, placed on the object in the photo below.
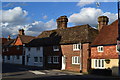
pixel 36 17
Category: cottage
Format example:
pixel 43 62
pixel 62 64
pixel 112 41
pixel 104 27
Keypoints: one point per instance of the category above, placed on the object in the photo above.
pixel 66 48
pixel 13 51
pixel 104 54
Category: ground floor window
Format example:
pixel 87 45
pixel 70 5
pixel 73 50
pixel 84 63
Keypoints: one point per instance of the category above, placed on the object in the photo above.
pixel 35 59
pixel 17 57
pixel 99 63
pixel 41 59
pixel 8 57
pixel 75 60
pixel 49 59
pixel 55 59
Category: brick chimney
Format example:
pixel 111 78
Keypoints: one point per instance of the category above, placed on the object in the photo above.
pixel 102 21
pixel 62 22
pixel 21 32
pixel 8 37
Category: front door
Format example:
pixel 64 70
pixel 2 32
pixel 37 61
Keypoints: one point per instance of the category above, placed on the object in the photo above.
pixel 63 62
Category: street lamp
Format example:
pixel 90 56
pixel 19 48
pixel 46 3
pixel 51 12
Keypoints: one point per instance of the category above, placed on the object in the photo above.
pixel 118 39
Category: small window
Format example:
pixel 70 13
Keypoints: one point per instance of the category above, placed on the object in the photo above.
pixel 55 59
pixel 8 57
pixel 38 48
pixel 17 57
pixel 7 49
pixel 28 48
pixel 55 48
pixel 99 63
pixel 100 48
pixel 49 59
pixel 41 59
pixel 75 60
pixel 76 47
pixel 35 59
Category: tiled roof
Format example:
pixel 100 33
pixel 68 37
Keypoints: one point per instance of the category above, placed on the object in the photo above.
pixel 25 38
pixel 3 40
pixel 108 35
pixel 76 34
pixel 10 42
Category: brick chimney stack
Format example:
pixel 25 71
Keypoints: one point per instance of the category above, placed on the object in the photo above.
pixel 21 32
pixel 62 22
pixel 8 37
pixel 102 21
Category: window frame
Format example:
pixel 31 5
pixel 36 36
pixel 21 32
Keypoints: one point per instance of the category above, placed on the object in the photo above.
pixel 99 48
pixel 40 59
pixel 57 59
pixel 8 57
pixel 76 47
pixel 56 48
pixel 35 60
pixel 99 63
pixel 49 59
pixel 74 58
pixel 17 57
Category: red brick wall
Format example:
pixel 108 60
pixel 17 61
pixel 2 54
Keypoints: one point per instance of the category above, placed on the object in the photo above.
pixel 67 50
pixel 86 55
pixel 109 53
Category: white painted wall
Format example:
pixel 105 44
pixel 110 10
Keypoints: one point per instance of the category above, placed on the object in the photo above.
pixel 13 59
pixel 34 53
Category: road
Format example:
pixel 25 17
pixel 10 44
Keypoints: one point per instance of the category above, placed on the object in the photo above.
pixel 20 72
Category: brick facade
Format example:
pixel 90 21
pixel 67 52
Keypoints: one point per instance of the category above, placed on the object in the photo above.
pixel 109 53
pixel 68 52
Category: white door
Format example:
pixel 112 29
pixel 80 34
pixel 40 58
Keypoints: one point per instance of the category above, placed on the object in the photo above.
pixel 63 62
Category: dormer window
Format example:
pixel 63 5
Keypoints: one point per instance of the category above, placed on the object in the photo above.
pixel 100 48
pixel 55 48
pixel 76 47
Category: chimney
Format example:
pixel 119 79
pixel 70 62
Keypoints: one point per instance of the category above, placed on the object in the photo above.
pixel 21 32
pixel 62 22
pixel 102 21
pixel 8 37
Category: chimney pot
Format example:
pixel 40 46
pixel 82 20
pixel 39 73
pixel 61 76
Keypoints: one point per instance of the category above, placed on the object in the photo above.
pixel 62 22
pixel 21 32
pixel 102 21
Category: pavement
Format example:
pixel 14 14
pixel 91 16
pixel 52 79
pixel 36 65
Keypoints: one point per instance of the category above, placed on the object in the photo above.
pixel 20 72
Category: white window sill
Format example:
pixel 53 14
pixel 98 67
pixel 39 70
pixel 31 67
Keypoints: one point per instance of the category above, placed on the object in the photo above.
pixel 50 62
pixel 100 51
pixel 76 49
pixel 56 50
pixel 76 63
pixel 56 62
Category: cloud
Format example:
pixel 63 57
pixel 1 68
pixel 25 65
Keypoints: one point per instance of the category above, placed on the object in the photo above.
pixel 15 15
pixel 17 18
pixel 89 16
pixel 85 2
pixel 82 3
pixel 45 17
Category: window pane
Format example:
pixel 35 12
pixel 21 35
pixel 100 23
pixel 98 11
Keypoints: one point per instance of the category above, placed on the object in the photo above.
pixel 102 63
pixel 40 59
pixel 99 63
pixel 75 59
